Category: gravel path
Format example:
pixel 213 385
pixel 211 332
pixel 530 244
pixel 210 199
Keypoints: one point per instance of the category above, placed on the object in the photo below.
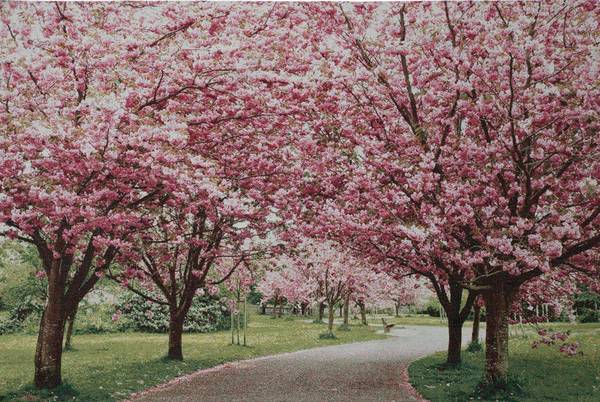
pixel 362 371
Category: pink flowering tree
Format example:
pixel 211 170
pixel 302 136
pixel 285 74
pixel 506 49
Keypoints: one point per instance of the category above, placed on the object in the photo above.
pixel 77 167
pixel 321 270
pixel 273 288
pixel 477 126
pixel 103 106
pixel 402 292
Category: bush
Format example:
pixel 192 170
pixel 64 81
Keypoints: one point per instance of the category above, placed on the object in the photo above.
pixel 18 281
pixel 588 315
pixel 327 335
pixel 474 347
pixel 30 308
pixel 433 308
pixel 206 315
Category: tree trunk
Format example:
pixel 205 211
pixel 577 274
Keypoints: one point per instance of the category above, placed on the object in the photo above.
pixel 245 318
pixel 476 320
pixel 69 334
pixel 454 341
pixel 237 307
pixel 263 309
pixel 397 307
pixel 175 336
pixel 341 310
pixel 302 309
pixel 48 354
pixel 321 311
pixel 455 315
pixel 330 320
pixel 497 304
pixel 363 313
pixel 346 309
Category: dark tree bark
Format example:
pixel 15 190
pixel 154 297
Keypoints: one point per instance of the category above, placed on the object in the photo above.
pixel 346 309
pixel 397 308
pixel 476 320
pixel 321 311
pixel 341 310
pixel 456 315
pixel 48 354
pixel 175 338
pixel 497 304
pixel 454 341
pixel 363 313
pixel 330 319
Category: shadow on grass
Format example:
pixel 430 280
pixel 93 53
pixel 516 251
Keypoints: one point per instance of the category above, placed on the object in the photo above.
pixel 29 393
pixel 437 380
pixel 513 390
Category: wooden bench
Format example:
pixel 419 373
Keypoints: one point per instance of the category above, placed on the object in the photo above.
pixel 386 327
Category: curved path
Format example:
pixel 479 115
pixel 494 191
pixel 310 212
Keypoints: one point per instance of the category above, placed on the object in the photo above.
pixel 362 371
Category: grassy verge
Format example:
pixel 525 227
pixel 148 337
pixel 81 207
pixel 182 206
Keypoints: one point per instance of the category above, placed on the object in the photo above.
pixel 111 366
pixel 542 374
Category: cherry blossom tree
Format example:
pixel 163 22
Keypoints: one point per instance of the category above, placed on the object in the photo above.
pixel 273 288
pixel 317 270
pixel 103 106
pixel 75 171
pixel 475 127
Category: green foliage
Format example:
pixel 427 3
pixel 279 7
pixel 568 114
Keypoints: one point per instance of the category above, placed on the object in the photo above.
pixel 474 347
pixel 432 307
pixel 109 367
pixel 18 265
pixel 586 297
pixel 95 319
pixel 541 374
pixel 206 315
pixel 587 304
pixel 254 297
pixel 29 308
pixel 327 335
pixel 588 315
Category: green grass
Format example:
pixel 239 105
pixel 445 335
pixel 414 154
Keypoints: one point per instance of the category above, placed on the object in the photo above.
pixel 542 374
pixel 111 366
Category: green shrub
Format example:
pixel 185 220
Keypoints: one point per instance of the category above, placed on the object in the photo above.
pixel 588 315
pixel 29 309
pixel 327 335
pixel 206 315
pixel 474 347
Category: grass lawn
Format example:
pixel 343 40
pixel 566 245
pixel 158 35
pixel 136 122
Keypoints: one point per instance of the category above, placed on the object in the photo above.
pixel 541 374
pixel 111 366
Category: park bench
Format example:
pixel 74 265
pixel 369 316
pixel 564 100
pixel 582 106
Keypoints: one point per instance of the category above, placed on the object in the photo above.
pixel 386 327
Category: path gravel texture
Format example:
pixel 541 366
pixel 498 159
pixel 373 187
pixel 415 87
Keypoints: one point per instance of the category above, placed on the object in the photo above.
pixel 362 371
